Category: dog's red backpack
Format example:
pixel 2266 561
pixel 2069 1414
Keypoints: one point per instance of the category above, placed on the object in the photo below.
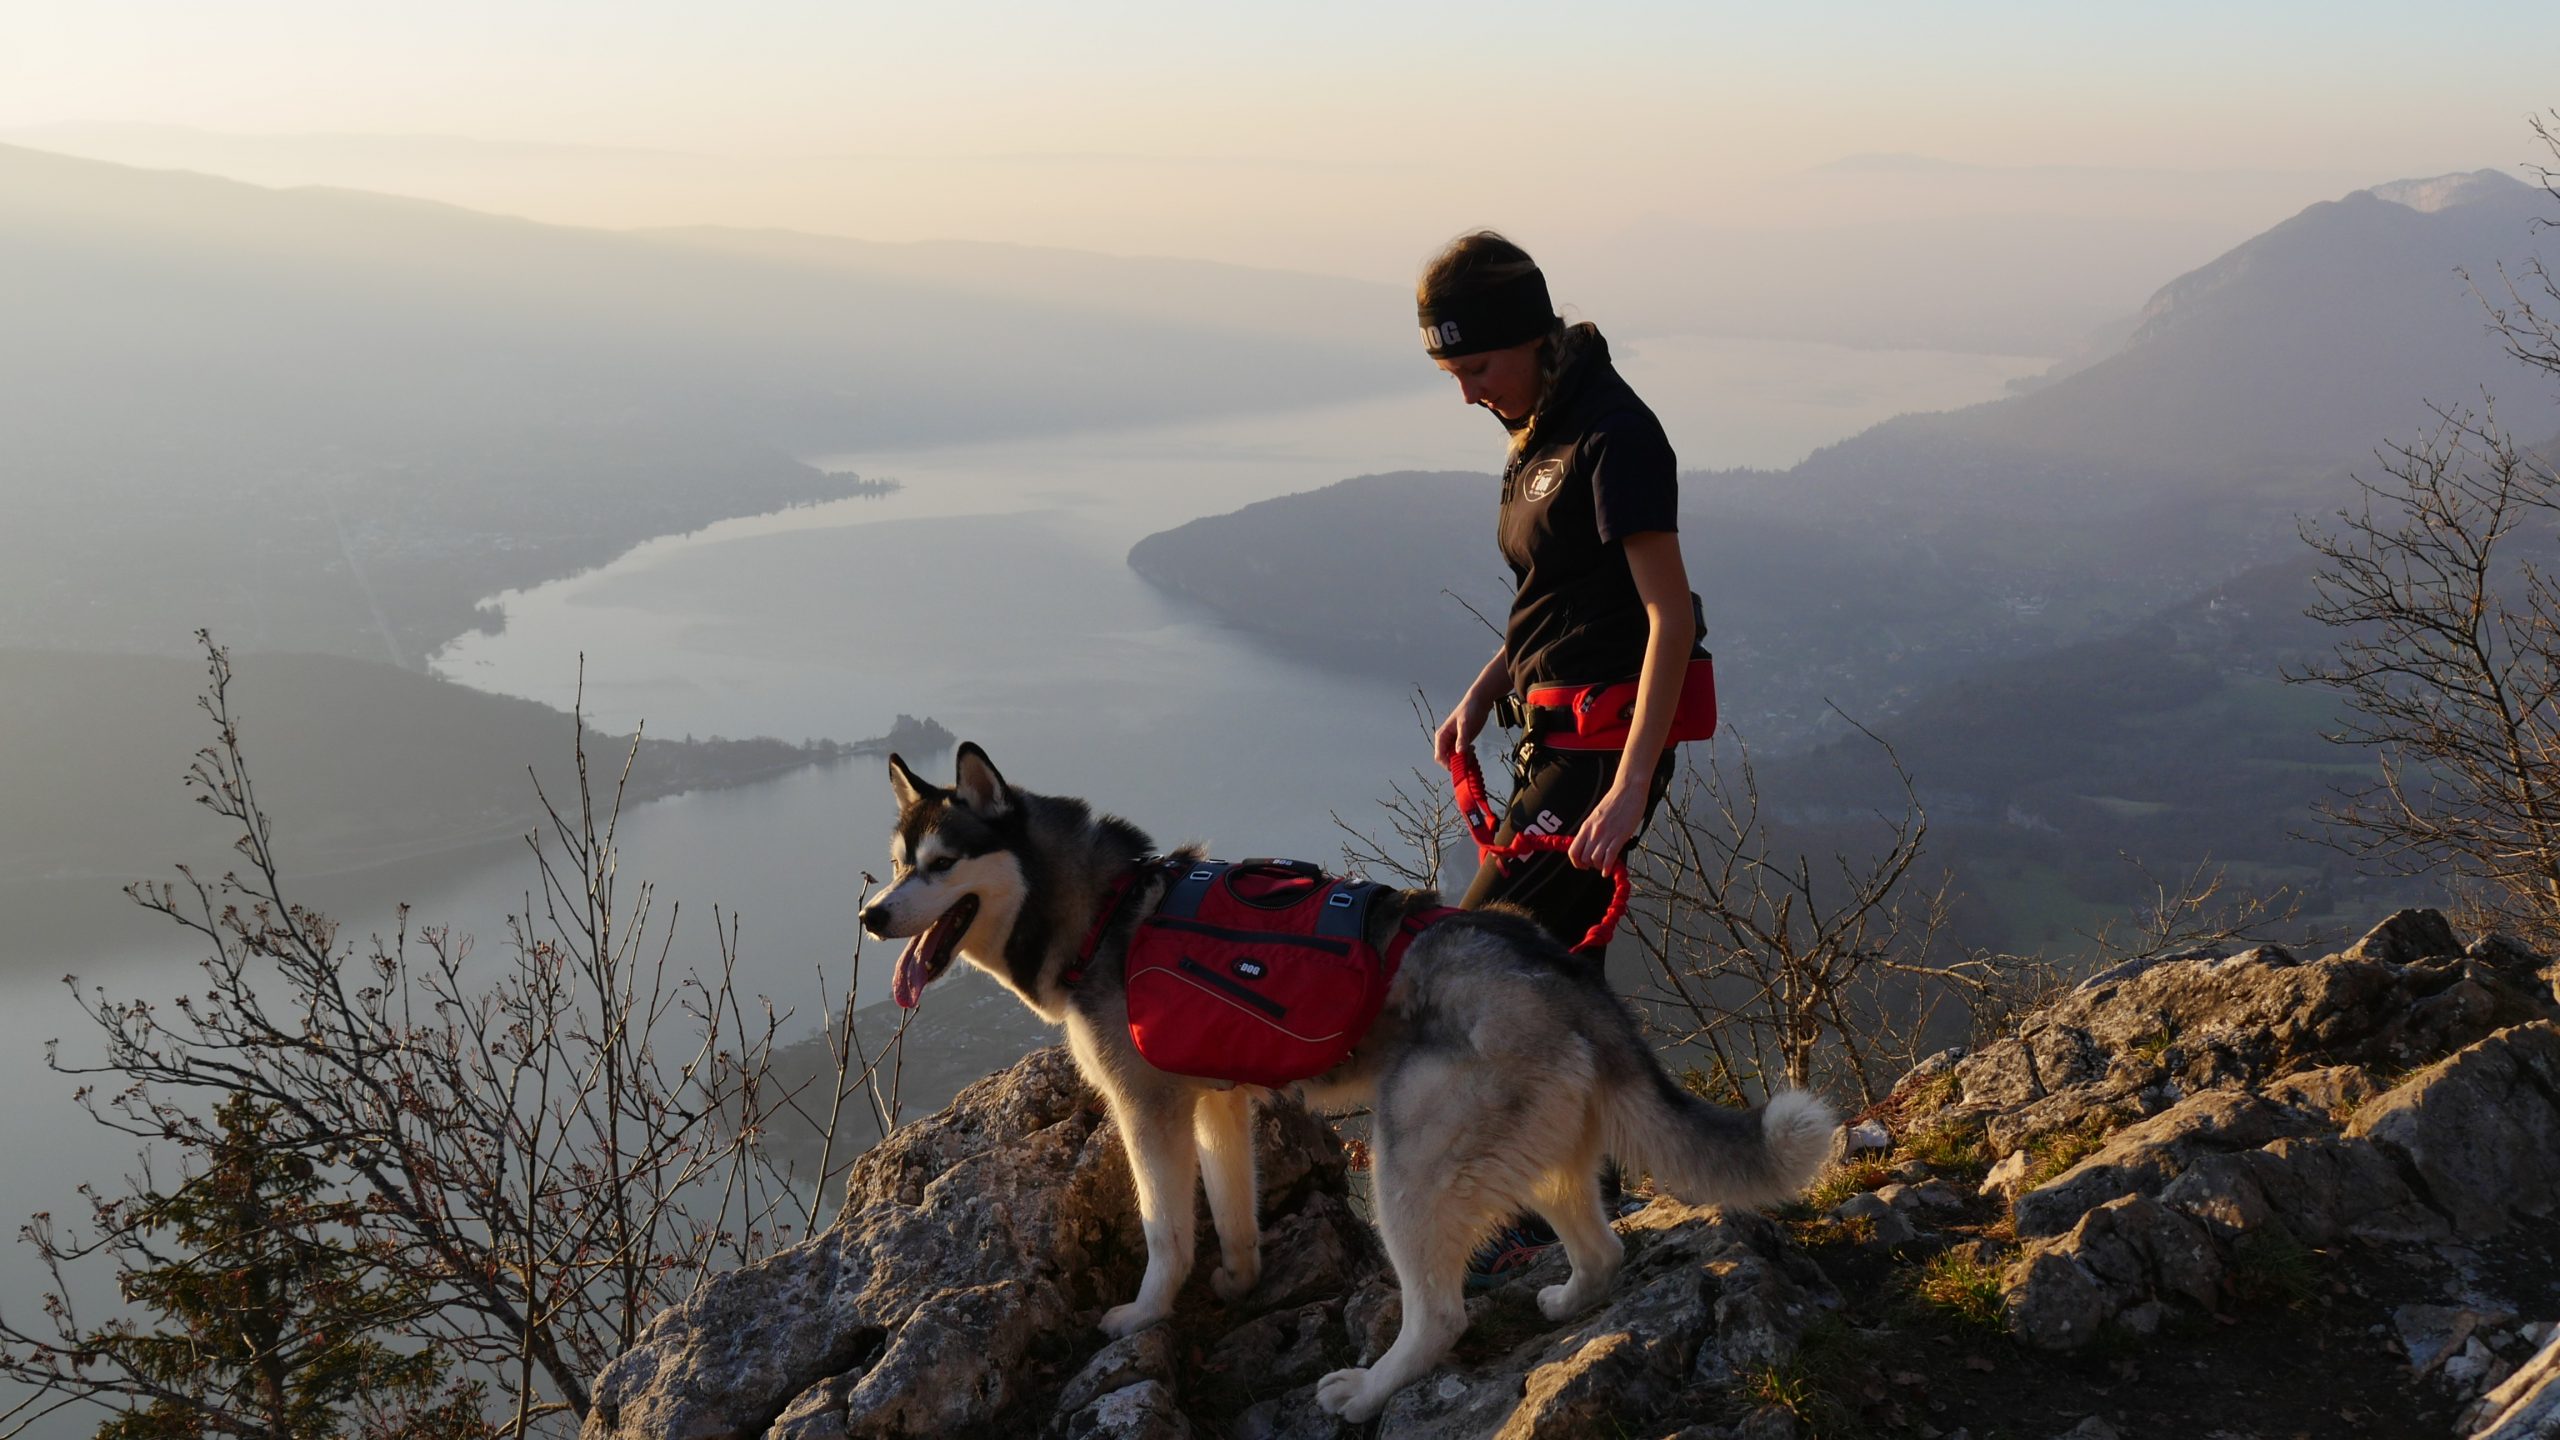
pixel 1259 972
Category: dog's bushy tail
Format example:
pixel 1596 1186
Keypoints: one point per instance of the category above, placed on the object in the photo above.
pixel 1710 1154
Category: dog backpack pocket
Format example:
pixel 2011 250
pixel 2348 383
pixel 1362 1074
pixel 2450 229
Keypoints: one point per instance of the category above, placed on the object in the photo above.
pixel 1260 973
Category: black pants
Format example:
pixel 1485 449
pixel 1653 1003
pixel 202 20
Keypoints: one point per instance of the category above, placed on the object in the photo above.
pixel 1553 792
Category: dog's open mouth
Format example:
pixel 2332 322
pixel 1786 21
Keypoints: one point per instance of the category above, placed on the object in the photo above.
pixel 929 954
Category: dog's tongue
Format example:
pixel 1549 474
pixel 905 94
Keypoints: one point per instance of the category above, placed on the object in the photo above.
pixel 916 963
pixel 906 984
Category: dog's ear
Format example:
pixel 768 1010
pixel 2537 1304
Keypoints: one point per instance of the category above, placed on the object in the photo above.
pixel 910 787
pixel 980 787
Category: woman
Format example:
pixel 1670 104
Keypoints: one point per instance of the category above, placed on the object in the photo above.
pixel 1589 526
pixel 1589 522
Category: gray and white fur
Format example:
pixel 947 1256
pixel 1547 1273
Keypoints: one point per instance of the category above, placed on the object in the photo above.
pixel 1500 1073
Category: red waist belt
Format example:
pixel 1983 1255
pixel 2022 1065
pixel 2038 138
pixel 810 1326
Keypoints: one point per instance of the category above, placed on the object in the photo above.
pixel 1597 717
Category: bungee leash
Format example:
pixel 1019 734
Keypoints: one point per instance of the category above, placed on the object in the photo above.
pixel 1466 777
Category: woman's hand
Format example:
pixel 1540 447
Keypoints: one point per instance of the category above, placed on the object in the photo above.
pixel 1608 828
pixel 1458 732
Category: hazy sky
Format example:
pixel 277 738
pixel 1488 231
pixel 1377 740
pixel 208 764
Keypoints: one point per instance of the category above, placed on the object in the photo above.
pixel 1320 135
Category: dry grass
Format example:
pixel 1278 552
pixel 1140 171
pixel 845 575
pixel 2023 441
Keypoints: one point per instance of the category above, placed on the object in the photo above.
pixel 2050 1155
pixel 1954 1150
pixel 1815 1386
pixel 1928 1097
pixel 1855 1177
pixel 1958 1287
pixel 1819 1231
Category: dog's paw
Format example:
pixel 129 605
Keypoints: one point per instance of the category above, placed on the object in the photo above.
pixel 1231 1282
pixel 1346 1393
pixel 1557 1301
pixel 1122 1321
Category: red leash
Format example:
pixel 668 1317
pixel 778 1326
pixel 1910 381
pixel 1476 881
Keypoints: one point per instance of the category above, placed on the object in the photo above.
pixel 1467 778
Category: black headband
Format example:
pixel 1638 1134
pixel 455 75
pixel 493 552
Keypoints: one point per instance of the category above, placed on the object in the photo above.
pixel 1510 313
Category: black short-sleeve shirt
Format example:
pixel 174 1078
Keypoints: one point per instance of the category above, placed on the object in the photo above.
pixel 1600 469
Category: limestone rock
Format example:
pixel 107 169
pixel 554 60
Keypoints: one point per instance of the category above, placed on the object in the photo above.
pixel 1316 1253
pixel 1283 1348
pixel 1865 1205
pixel 2319 1190
pixel 2129 1250
pixel 1144 1411
pixel 1291 1416
pixel 2526 1406
pixel 2332 1090
pixel 2481 1129
pixel 2144 1157
pixel 1147 1355
pixel 2136 1039
pixel 1893 1229
pixel 2405 938
pixel 972 1246
pixel 1371 1316
pixel 2433 1334
pixel 1704 1295
pixel 1768 1423
pixel 2008 1177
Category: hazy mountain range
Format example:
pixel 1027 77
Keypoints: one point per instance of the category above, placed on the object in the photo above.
pixel 1868 250
pixel 330 420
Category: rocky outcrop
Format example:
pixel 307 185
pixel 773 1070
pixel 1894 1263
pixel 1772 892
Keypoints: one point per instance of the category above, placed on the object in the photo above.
pixel 2168 1140
pixel 960 1282
pixel 2201 1120
pixel 1707 1297
pixel 2132 1041
pixel 958 1291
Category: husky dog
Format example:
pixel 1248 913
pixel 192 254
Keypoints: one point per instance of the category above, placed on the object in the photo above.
pixel 1500 1072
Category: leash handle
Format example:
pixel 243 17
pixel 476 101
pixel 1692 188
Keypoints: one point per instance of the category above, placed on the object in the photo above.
pixel 1466 778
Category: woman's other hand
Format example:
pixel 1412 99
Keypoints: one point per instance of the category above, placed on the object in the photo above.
pixel 1607 830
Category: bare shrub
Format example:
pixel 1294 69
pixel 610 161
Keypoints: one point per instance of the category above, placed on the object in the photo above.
pixel 540 1151
pixel 2439 584
pixel 1781 968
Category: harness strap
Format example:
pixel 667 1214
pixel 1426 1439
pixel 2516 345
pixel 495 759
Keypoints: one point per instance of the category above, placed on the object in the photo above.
pixel 1115 898
pixel 1466 777
pixel 1411 930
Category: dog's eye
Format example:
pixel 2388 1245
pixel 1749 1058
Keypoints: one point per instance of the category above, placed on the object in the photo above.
pixel 940 865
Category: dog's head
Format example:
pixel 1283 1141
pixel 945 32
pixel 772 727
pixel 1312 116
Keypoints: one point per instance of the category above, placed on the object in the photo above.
pixel 957 881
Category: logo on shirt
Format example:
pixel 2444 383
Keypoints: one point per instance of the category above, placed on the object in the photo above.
pixel 1544 480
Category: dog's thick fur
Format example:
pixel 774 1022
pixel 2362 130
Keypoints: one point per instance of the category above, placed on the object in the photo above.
pixel 1500 1074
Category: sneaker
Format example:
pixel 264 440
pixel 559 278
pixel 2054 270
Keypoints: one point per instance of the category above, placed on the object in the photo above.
pixel 1508 1251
